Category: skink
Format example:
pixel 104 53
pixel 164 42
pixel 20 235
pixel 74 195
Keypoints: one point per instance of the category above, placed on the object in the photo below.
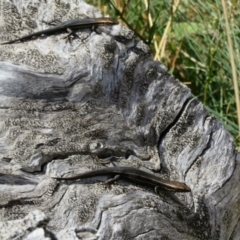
pixel 135 175
pixel 68 25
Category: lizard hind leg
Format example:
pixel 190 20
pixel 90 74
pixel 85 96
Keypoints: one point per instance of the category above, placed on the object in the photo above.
pixel 70 33
pixel 111 180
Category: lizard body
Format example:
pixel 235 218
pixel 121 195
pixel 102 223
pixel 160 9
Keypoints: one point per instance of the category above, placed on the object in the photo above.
pixel 134 175
pixel 70 24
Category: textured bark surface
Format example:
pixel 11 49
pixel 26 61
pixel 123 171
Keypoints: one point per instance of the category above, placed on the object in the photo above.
pixel 103 95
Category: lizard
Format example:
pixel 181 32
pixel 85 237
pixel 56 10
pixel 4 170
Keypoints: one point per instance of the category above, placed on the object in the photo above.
pixel 135 175
pixel 68 25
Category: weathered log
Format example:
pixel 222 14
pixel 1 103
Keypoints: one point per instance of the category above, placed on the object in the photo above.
pixel 103 95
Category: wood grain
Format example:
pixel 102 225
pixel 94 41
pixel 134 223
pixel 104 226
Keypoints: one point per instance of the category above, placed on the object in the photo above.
pixel 104 95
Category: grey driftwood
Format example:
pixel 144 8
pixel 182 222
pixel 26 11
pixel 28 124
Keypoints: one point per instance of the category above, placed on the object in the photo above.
pixel 103 95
